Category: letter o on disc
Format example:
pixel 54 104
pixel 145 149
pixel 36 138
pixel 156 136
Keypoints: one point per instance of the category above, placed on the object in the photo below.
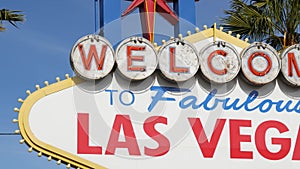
pixel 290 68
pixel 92 57
pixel 260 63
pixel 220 62
pixel 136 58
pixel 178 60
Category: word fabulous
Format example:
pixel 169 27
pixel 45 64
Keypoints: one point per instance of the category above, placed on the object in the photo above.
pixel 93 57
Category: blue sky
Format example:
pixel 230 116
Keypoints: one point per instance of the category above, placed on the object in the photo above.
pixel 39 51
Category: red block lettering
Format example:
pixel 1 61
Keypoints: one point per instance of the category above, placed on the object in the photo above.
pixel 256 72
pixel 173 67
pixel 260 136
pixel 209 62
pixel 236 138
pixel 207 147
pixel 163 142
pixel 296 155
pixel 130 140
pixel 92 53
pixel 131 58
pixel 292 60
pixel 83 136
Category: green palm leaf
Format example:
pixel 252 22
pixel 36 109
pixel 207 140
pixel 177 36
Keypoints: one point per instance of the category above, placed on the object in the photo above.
pixel 273 21
pixel 11 16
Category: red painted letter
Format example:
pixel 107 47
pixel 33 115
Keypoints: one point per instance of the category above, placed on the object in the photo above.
pixel 92 52
pixel 254 71
pixel 236 138
pixel 131 58
pixel 173 67
pixel 260 136
pixel 292 60
pixel 130 140
pixel 296 155
pixel 83 136
pixel 163 142
pixel 209 62
pixel 207 147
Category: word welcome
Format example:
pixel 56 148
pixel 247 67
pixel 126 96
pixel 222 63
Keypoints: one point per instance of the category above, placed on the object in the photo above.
pixel 93 57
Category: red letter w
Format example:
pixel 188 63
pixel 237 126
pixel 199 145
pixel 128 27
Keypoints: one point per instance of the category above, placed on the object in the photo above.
pixel 92 53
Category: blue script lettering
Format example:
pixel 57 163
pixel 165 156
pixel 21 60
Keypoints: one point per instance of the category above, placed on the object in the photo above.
pixel 160 91
pixel 191 101
pixel 210 103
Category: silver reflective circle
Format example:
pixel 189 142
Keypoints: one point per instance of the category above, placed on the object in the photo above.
pixel 178 60
pixel 290 60
pixel 136 58
pixel 92 57
pixel 220 62
pixel 260 63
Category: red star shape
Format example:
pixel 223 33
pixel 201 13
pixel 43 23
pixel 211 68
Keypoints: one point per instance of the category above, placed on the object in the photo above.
pixel 147 12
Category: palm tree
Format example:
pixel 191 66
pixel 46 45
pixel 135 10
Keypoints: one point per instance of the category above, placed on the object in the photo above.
pixel 276 22
pixel 11 16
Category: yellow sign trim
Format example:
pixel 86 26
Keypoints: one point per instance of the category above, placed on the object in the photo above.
pixel 215 33
pixel 40 146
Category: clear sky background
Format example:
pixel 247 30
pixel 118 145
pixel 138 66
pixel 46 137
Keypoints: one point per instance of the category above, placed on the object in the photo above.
pixel 39 50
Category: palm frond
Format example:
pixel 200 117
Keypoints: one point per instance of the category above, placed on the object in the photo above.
pixel 276 41
pixel 1 28
pixel 273 21
pixel 247 21
pixel 12 16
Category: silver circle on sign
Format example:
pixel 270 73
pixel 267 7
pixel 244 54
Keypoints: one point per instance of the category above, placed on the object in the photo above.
pixel 220 62
pixel 136 58
pixel 92 57
pixel 260 63
pixel 178 60
pixel 290 59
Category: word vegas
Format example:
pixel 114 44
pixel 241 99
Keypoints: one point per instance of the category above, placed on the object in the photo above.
pixel 93 57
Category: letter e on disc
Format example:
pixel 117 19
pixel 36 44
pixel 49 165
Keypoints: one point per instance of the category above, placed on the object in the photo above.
pixel 136 58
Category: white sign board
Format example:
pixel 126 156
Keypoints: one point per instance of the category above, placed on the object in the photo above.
pixel 157 122
pixel 169 127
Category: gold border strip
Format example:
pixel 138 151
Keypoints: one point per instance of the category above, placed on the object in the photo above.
pixel 215 33
pixel 39 146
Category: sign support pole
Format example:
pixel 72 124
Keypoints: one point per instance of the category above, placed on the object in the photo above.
pixel 187 20
pixel 107 17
